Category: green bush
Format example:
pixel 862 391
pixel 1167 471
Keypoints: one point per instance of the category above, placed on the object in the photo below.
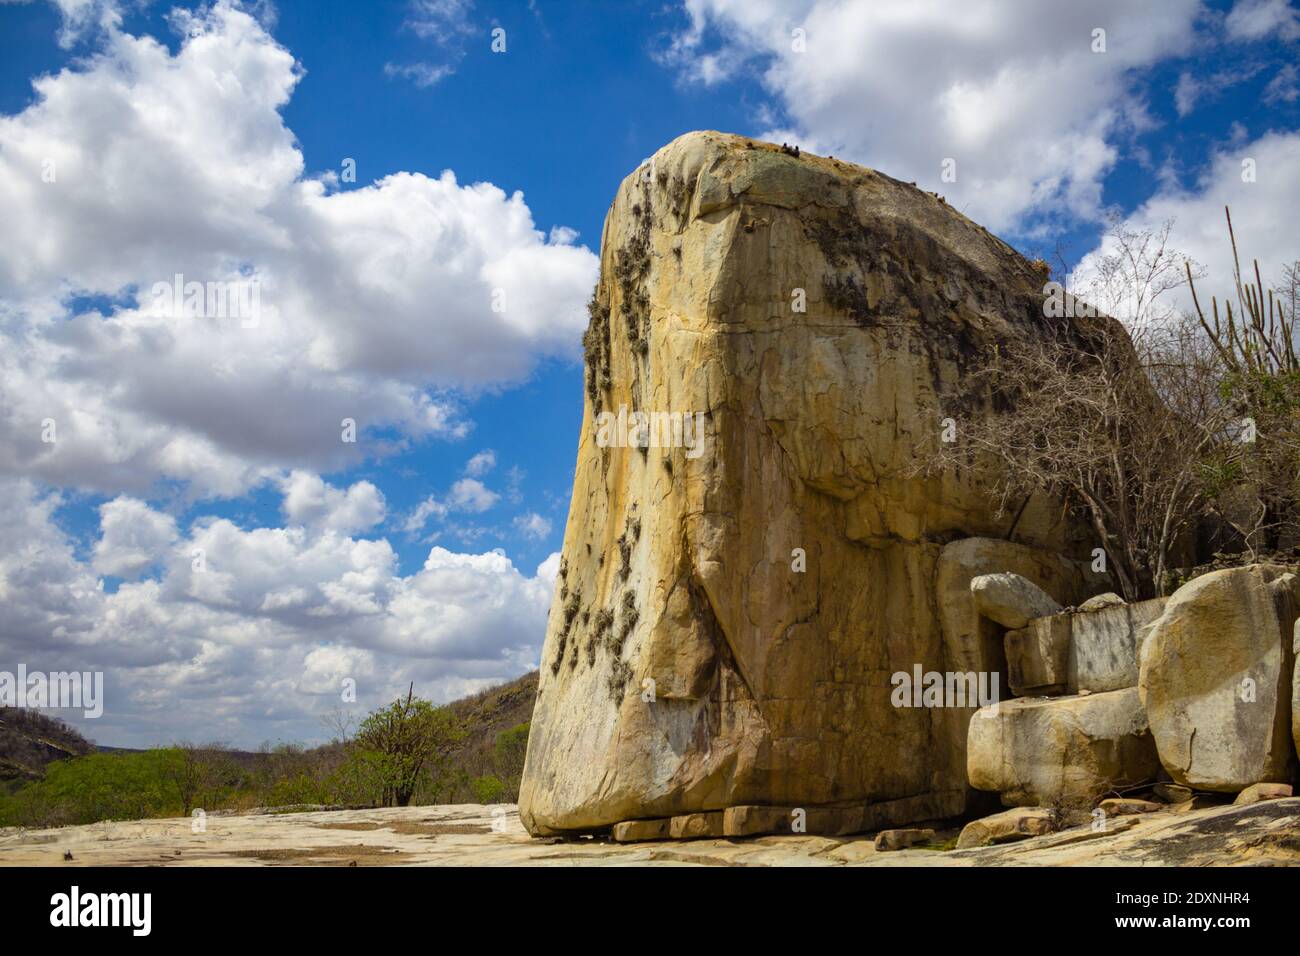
pixel 488 789
pixel 98 787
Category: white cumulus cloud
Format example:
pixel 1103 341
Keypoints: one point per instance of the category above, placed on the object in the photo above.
pixel 1018 99
pixel 253 639
pixel 137 165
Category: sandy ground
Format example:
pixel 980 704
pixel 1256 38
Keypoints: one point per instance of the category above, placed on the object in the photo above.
pixel 1263 834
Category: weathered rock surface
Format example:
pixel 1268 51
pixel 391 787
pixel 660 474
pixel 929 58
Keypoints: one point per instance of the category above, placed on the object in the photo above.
pixel 1061 751
pixel 1263 791
pixel 693 826
pixel 771 578
pixel 1082 651
pixel 1215 678
pixel 1096 603
pixel 473 835
pixel 1010 599
pixel 1016 824
pixel 1038 657
pixel 641 831
pixel 1104 645
pixel 888 841
pixel 1295 688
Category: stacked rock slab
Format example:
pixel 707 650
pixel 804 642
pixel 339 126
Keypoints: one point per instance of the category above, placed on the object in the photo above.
pixel 1216 676
pixel 728 617
pixel 1061 751
pixel 1076 728
pixel 1089 650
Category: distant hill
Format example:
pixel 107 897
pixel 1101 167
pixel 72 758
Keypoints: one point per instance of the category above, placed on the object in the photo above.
pixel 29 740
pixel 498 708
pixel 485 715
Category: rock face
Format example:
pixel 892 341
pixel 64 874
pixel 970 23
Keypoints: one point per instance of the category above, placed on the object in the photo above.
pixel 1061 751
pixel 1038 657
pixel 734 599
pixel 1215 677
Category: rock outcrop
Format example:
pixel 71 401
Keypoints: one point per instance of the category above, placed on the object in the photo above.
pixel 752 553
pixel 1216 675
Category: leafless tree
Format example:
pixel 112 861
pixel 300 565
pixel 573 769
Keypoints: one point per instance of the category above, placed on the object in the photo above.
pixel 340 723
pixel 1134 273
pixel 1127 436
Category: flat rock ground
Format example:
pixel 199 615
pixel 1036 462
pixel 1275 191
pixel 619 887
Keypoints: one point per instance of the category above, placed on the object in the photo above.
pixel 1263 834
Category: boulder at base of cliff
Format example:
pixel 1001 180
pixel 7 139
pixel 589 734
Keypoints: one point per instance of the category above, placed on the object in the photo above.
pixel 1061 751
pixel 1215 678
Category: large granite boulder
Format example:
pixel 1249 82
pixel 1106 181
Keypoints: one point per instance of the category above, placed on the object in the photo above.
pixel 1215 676
pixel 1061 751
pixel 735 599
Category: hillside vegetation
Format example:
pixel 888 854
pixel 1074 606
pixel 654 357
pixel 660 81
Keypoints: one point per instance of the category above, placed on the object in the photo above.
pixel 410 752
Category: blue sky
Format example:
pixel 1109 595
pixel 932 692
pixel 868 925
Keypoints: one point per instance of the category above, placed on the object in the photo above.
pixel 209 140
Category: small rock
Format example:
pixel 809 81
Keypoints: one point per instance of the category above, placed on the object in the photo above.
pixel 1172 792
pixel 1011 600
pixel 1120 806
pixel 1016 824
pixel 1109 599
pixel 640 831
pixel 901 839
pixel 1263 791
pixel 693 826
